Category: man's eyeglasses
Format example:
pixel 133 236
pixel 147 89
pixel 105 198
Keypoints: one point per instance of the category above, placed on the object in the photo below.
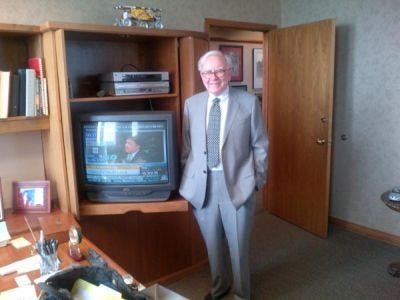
pixel 209 74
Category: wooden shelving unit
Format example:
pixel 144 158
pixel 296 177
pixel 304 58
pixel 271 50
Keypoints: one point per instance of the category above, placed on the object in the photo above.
pixel 24 124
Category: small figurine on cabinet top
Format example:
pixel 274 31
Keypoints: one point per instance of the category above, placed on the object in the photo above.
pixel 139 16
pixel 75 238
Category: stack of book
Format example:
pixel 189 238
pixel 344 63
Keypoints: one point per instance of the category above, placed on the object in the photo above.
pixel 25 92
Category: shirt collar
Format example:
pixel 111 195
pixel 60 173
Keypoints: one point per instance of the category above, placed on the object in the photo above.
pixel 222 97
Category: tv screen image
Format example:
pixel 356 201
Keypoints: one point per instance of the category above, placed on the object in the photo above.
pixel 127 157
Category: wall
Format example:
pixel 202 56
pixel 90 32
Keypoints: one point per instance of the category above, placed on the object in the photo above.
pixel 177 14
pixel 367 97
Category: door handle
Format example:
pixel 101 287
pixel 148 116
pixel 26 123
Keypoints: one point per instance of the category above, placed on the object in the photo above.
pixel 320 141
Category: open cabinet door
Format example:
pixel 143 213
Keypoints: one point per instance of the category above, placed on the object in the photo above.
pixel 299 120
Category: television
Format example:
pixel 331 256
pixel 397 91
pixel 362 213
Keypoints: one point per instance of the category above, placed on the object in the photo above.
pixel 128 156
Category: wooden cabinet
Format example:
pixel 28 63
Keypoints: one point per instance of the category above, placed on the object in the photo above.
pixel 17 44
pixel 82 52
pixel 156 241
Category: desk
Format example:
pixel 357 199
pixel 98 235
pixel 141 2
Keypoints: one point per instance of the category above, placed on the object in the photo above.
pixel 9 254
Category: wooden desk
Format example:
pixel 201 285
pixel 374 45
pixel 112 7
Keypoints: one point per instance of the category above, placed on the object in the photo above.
pixel 9 254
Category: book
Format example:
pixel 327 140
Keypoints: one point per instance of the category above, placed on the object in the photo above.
pixel 30 93
pixel 14 96
pixel 36 63
pixel 22 92
pixel 4 93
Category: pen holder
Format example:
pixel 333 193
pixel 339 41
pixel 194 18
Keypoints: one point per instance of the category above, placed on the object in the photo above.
pixel 49 262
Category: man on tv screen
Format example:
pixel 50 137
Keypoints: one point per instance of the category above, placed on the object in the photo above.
pixel 132 151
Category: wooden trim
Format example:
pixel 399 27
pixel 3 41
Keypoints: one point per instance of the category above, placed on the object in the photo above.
pixel 365 231
pixel 18 28
pixel 218 39
pixel 109 29
pixel 209 22
pixel 24 124
pixel 87 208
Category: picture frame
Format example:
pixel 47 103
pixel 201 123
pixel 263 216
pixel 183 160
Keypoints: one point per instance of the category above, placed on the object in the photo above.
pixel 31 196
pixel 2 214
pixel 236 54
pixel 257 68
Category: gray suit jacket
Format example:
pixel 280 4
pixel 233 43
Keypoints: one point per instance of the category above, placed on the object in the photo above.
pixel 244 148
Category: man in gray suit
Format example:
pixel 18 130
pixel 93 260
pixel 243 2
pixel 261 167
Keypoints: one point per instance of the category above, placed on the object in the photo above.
pixel 220 180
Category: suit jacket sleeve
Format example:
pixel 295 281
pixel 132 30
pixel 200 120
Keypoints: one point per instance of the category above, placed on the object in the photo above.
pixel 259 142
pixel 186 144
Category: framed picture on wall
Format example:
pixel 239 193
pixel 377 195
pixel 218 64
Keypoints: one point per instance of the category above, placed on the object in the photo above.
pixel 31 196
pixel 1 204
pixel 236 54
pixel 257 68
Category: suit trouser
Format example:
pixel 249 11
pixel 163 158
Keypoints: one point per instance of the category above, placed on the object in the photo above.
pixel 219 219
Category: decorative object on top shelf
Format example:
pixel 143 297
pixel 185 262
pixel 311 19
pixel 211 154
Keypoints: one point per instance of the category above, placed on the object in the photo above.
pixel 146 17
pixel 31 196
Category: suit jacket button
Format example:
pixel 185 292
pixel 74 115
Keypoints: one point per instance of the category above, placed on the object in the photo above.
pixel 205 152
pixel 204 171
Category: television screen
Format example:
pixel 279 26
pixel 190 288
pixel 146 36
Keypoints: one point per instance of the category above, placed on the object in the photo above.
pixel 128 156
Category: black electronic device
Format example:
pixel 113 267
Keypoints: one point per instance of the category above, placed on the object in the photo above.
pixel 105 173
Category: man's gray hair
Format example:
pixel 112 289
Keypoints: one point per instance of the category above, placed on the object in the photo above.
pixel 205 56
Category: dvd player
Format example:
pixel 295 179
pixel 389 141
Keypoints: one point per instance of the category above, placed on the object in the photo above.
pixel 135 88
pixel 134 77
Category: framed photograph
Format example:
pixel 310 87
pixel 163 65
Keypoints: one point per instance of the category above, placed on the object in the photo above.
pixel 257 68
pixel 31 196
pixel 1 204
pixel 236 54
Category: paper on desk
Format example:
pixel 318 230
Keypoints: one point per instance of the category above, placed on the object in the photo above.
pixel 31 263
pixel 4 234
pixel 20 242
pixel 26 292
pixel 22 280
pixel 83 290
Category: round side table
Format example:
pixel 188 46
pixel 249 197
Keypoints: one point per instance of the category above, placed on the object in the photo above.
pixel 393 268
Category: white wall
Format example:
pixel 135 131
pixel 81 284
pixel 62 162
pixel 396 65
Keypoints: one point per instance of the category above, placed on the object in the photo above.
pixel 367 104
pixel 177 14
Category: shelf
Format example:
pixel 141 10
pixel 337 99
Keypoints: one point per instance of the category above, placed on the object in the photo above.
pixel 118 98
pixel 24 124
pixel 87 208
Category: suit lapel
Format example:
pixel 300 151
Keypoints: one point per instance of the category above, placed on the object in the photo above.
pixel 202 115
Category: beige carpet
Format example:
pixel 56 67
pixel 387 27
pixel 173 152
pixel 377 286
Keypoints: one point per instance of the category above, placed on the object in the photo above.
pixel 289 263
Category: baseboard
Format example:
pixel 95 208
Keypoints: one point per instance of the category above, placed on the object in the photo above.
pixel 170 278
pixel 362 230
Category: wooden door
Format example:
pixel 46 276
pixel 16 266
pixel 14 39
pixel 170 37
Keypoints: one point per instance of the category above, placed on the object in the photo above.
pixel 299 121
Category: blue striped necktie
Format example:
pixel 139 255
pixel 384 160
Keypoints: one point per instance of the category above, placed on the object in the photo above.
pixel 213 129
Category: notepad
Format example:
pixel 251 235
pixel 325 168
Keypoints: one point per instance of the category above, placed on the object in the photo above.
pixel 20 243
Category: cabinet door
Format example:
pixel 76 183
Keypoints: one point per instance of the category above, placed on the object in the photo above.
pixel 300 97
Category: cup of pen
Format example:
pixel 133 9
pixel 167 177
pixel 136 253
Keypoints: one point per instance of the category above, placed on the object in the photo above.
pixel 47 250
